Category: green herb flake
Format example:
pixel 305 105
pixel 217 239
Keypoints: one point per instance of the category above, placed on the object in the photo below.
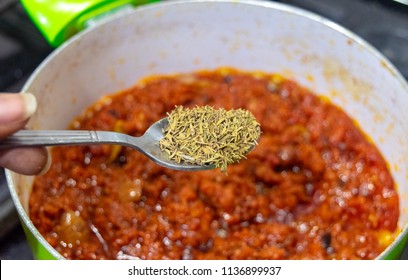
pixel 208 136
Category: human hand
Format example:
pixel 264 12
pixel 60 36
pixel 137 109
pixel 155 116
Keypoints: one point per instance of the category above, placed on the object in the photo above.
pixel 15 111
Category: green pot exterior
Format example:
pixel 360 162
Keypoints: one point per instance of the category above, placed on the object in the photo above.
pixel 396 251
pixel 40 252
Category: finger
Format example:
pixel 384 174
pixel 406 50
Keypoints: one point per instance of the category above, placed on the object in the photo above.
pixel 15 109
pixel 26 160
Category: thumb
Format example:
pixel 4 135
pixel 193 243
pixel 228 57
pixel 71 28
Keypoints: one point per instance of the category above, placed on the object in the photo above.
pixel 15 109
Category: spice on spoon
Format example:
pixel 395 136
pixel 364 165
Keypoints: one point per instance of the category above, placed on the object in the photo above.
pixel 208 136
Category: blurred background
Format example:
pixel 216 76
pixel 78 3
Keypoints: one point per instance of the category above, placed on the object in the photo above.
pixel 383 23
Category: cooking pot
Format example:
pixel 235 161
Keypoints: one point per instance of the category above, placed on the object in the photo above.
pixel 183 36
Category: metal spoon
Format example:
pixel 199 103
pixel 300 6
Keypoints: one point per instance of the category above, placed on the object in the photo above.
pixel 147 144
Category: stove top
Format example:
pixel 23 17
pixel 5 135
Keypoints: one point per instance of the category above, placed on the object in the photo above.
pixel 383 23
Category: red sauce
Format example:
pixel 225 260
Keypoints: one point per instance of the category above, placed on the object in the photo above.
pixel 314 187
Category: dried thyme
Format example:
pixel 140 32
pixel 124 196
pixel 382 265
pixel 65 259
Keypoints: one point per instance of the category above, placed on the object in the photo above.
pixel 208 136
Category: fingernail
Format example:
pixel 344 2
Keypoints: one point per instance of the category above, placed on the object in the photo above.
pixel 47 166
pixel 30 104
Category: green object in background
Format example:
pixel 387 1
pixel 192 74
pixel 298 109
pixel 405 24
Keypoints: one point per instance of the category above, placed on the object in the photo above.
pixel 60 19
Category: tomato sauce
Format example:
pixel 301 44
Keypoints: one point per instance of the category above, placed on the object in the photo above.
pixel 314 188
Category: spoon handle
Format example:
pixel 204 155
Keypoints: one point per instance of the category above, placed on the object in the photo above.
pixel 60 137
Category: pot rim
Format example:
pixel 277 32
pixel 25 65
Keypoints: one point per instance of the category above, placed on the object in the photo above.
pixel 140 9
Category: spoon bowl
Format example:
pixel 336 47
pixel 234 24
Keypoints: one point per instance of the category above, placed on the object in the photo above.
pixel 147 144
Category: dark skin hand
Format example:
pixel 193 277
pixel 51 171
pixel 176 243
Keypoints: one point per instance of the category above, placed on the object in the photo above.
pixel 15 111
